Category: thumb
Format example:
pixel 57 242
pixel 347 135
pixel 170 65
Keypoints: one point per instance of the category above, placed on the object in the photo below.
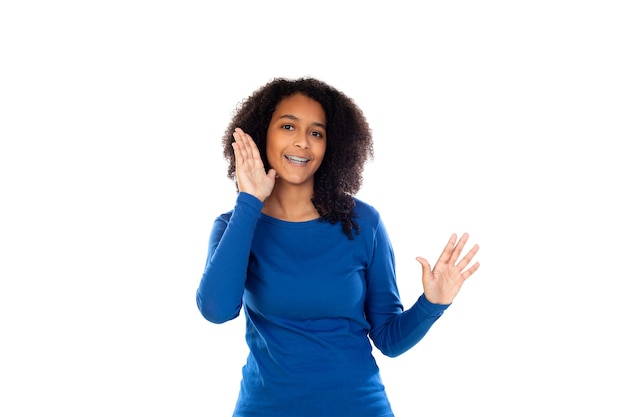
pixel 426 269
pixel 425 264
pixel 272 173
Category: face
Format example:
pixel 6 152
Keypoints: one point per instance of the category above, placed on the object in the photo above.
pixel 296 139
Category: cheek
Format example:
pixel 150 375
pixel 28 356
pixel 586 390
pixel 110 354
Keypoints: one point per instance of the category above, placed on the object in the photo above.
pixel 321 151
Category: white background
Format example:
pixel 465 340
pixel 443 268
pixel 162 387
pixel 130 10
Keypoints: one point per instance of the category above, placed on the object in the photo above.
pixel 502 119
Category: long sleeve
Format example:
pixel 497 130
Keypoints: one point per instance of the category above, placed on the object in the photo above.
pixel 394 331
pixel 406 330
pixel 219 295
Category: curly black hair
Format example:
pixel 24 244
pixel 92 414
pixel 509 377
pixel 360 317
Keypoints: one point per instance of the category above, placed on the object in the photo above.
pixel 349 143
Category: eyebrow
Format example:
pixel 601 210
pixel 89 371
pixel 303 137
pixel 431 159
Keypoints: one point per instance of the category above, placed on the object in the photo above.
pixel 292 117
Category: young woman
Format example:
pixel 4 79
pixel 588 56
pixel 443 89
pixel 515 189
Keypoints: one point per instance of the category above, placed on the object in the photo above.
pixel 312 266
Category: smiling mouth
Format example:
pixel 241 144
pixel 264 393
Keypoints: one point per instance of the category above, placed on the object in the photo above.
pixel 296 160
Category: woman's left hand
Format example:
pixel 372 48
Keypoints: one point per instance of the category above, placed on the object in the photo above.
pixel 443 282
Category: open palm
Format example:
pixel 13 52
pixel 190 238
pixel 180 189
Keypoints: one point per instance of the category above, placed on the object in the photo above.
pixel 443 282
pixel 249 168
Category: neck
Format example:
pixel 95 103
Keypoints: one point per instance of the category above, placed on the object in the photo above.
pixel 290 203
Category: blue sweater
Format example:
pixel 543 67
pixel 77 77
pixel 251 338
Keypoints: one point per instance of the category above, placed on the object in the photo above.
pixel 313 299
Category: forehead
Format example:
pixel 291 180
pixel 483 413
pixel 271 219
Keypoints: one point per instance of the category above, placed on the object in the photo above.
pixel 299 104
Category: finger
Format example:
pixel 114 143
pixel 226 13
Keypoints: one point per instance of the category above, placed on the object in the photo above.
pixel 459 247
pixel 237 147
pixel 250 147
pixel 238 135
pixel 469 272
pixel 254 149
pixel 423 261
pixel 468 257
pixel 447 251
pixel 240 146
pixel 238 159
pixel 426 269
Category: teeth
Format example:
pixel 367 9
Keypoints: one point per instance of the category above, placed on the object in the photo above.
pixel 297 159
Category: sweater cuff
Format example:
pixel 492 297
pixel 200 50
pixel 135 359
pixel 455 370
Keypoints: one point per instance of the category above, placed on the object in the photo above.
pixel 249 200
pixel 429 308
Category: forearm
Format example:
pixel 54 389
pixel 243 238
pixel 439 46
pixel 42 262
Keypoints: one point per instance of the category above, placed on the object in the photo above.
pixel 405 330
pixel 221 288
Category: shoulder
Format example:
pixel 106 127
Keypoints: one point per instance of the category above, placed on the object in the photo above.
pixel 366 213
pixel 371 226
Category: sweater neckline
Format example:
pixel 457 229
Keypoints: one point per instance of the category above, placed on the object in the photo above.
pixel 279 222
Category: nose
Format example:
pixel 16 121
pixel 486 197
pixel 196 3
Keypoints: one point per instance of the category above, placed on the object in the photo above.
pixel 302 141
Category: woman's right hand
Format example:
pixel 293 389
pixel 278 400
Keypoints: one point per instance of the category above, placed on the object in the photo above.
pixel 251 175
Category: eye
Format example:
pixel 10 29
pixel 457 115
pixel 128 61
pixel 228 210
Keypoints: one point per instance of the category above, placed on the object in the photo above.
pixel 317 134
pixel 287 127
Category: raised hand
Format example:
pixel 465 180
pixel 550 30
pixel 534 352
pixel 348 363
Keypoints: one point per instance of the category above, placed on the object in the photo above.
pixel 251 175
pixel 443 282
